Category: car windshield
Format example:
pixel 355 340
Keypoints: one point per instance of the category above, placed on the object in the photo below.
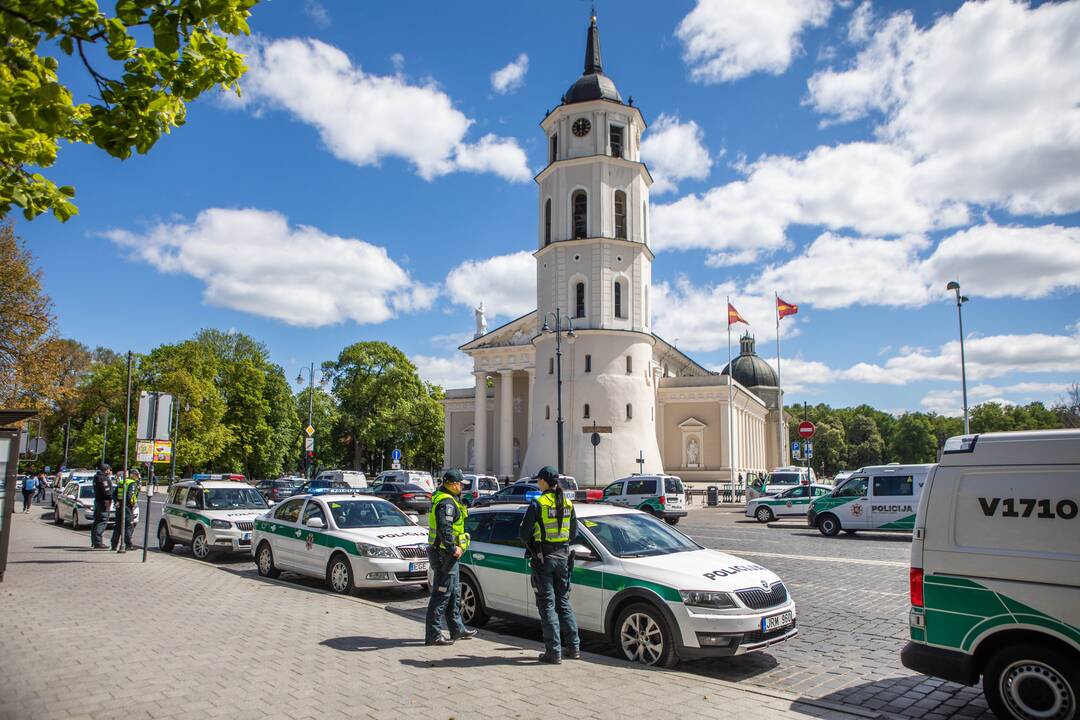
pixel 637 535
pixel 366 513
pixel 673 485
pixel 86 491
pixel 233 499
pixel 785 478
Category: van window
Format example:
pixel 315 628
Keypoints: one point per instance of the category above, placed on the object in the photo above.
pixel 673 485
pixel 504 531
pixel 796 492
pixel 489 484
pixel 893 486
pixel 855 487
pixel 641 487
pixel 614 488
pixel 820 491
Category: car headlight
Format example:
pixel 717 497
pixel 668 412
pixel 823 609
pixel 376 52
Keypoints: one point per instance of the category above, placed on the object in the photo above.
pixel 707 599
pixel 220 524
pixel 375 551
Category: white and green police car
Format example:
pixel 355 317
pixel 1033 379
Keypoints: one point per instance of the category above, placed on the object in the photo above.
pixel 791 502
pixel 348 539
pixel 210 516
pixel 655 593
pixel 878 497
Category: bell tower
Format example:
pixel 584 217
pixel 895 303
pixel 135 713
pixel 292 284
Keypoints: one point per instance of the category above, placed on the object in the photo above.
pixel 594 266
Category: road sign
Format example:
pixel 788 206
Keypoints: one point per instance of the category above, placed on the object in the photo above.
pixel 309 444
pixel 795 447
pixel 808 446
pixel 37 445
pixel 155 417
pixel 395 466
pixel 809 451
pixel 309 430
pixel 395 456
pixel 806 429
pixel 144 451
pixel 163 451
pixel 595 439
pixel 587 429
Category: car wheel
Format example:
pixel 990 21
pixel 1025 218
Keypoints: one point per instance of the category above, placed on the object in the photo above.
pixel 764 514
pixel 828 525
pixel 200 546
pixel 164 542
pixel 1030 682
pixel 472 603
pixel 264 561
pixel 643 636
pixel 75 520
pixel 672 520
pixel 339 575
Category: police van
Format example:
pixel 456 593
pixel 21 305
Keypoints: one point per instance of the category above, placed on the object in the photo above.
pixel 780 480
pixel 210 515
pixel 660 495
pixel 995 572
pixel 879 497
pixel 654 592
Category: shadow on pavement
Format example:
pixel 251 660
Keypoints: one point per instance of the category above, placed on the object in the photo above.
pixel 365 643
pixel 914 696
pixel 472 661
pixel 861 535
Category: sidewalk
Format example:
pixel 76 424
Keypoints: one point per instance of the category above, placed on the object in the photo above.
pixel 110 637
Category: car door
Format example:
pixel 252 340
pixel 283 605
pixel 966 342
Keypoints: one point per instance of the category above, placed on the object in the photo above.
pixel 500 565
pixel 641 493
pixel 287 543
pixel 794 502
pixel 892 503
pixel 313 553
pixel 613 493
pixel 176 514
pixel 66 501
pixel 854 513
pixel 587 586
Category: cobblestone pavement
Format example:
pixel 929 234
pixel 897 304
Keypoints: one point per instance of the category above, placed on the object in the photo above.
pixel 100 635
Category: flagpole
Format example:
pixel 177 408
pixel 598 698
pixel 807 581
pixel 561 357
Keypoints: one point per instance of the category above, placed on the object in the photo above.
pixel 730 380
pixel 779 385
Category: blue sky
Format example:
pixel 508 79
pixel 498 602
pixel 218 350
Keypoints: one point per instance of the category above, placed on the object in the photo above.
pixel 375 183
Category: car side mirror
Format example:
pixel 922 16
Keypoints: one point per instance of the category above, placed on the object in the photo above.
pixel 191 504
pixel 315 522
pixel 583 553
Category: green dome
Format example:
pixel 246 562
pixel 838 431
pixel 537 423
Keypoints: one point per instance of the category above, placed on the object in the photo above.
pixel 751 370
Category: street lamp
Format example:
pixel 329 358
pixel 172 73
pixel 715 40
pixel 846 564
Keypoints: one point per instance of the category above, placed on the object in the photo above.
pixel 960 300
pixel 105 435
pixel 176 433
pixel 557 315
pixel 310 406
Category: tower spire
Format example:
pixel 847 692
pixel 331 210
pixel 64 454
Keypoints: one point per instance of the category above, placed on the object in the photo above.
pixel 593 65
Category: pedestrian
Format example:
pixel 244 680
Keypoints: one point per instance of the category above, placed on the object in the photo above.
pixel 126 496
pixel 103 493
pixel 548 530
pixel 29 489
pixel 447 540
pixel 42 484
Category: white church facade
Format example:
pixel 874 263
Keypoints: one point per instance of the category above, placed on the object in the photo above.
pixel 655 409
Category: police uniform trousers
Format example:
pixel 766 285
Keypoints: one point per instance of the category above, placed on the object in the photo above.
pixel 552 582
pixel 445 597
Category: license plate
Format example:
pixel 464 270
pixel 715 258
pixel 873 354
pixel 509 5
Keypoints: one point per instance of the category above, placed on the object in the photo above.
pixel 246 536
pixel 417 567
pixel 775 622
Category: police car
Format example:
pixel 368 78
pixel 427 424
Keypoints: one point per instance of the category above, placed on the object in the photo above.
pixel 793 501
pixel 877 497
pixel 658 595
pixel 76 504
pixel 210 515
pixel 349 539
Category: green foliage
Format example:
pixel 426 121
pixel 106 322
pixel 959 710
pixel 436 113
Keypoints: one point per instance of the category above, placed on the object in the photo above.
pixel 149 60
pixel 914 439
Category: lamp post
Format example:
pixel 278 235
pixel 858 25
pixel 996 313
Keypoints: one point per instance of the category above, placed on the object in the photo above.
pixel 558 316
pixel 176 434
pixel 105 435
pixel 960 300
pixel 310 407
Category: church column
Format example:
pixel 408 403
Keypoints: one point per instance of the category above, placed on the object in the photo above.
pixel 447 425
pixel 480 423
pixel 506 423
pixel 531 373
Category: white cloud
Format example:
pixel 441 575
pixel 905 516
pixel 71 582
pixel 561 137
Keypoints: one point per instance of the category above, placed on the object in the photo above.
pixel 860 23
pixel 506 284
pixel 448 372
pixel 674 151
pixel 363 118
pixel 725 40
pixel 951 402
pixel 510 78
pixel 988 99
pixel 678 316
pixel 254 261
pixel 317 12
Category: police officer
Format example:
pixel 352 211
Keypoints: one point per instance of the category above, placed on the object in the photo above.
pixel 447 541
pixel 548 529
pixel 103 494
pixel 126 491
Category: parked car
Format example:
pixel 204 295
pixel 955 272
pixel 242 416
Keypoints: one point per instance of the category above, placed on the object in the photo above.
pixel 354 478
pixel 210 516
pixel 416 477
pixel 274 491
pixel 878 497
pixel 570 487
pixel 661 495
pixel 76 504
pixel 478 486
pixel 406 496
pixel 319 487
pixel 779 480
pixel 519 492
pixel 793 502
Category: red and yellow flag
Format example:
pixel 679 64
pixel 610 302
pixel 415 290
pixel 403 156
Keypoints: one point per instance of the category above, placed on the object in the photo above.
pixel 733 316
pixel 783 309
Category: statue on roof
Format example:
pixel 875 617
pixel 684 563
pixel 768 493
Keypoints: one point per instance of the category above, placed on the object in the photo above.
pixel 481 321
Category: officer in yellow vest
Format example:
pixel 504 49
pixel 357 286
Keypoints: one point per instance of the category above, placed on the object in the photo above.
pixel 548 530
pixel 447 540
pixel 126 488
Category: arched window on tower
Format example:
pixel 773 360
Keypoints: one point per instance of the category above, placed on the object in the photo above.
pixel 547 412
pixel 619 289
pixel 547 222
pixel 585 414
pixel 629 364
pixel 580 202
pixel 620 214
pixel 579 300
pixel 629 411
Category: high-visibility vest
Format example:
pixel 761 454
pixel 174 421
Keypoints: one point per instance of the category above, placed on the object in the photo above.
pixel 461 538
pixel 547 529
pixel 121 490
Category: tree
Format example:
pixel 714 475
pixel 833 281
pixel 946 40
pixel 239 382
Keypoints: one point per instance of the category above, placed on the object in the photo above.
pixel 830 447
pixel 329 451
pixel 865 444
pixel 188 55
pixel 990 417
pixel 26 322
pixel 1068 407
pixel 914 439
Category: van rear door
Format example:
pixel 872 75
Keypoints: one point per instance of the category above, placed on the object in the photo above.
pixel 893 504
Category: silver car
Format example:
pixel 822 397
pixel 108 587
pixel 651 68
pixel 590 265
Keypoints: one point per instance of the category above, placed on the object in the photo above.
pixel 76 504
